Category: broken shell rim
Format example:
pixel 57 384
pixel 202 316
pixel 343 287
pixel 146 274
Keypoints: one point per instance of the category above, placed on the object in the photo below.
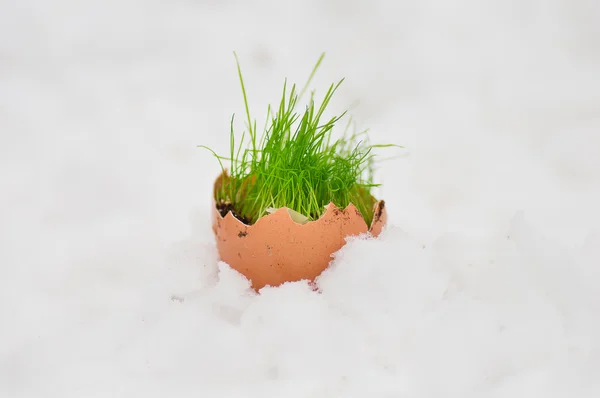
pixel 378 209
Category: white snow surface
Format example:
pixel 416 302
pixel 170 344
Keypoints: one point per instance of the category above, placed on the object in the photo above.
pixel 484 284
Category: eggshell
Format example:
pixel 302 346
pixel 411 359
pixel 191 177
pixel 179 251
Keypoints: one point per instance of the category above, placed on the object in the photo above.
pixel 276 249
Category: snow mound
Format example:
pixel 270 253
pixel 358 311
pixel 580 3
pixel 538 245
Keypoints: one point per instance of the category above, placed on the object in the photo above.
pixel 514 315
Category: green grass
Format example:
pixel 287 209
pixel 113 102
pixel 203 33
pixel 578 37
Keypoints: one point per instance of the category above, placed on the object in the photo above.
pixel 294 162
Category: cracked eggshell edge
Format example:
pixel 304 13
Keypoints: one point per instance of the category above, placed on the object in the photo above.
pixel 276 249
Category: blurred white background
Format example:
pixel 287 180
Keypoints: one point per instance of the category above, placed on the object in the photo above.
pixel 102 105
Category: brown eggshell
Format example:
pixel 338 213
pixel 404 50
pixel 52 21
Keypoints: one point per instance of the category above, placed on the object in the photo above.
pixel 276 249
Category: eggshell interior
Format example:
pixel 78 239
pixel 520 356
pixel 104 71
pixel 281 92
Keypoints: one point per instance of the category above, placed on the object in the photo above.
pixel 276 249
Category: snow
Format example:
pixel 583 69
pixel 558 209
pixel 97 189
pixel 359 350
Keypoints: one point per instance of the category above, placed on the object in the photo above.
pixel 483 285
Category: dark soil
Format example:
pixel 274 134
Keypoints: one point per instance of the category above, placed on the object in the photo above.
pixel 226 207
pixel 379 210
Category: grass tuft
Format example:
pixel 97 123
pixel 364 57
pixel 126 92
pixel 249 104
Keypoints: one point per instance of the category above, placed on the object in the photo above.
pixel 294 162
